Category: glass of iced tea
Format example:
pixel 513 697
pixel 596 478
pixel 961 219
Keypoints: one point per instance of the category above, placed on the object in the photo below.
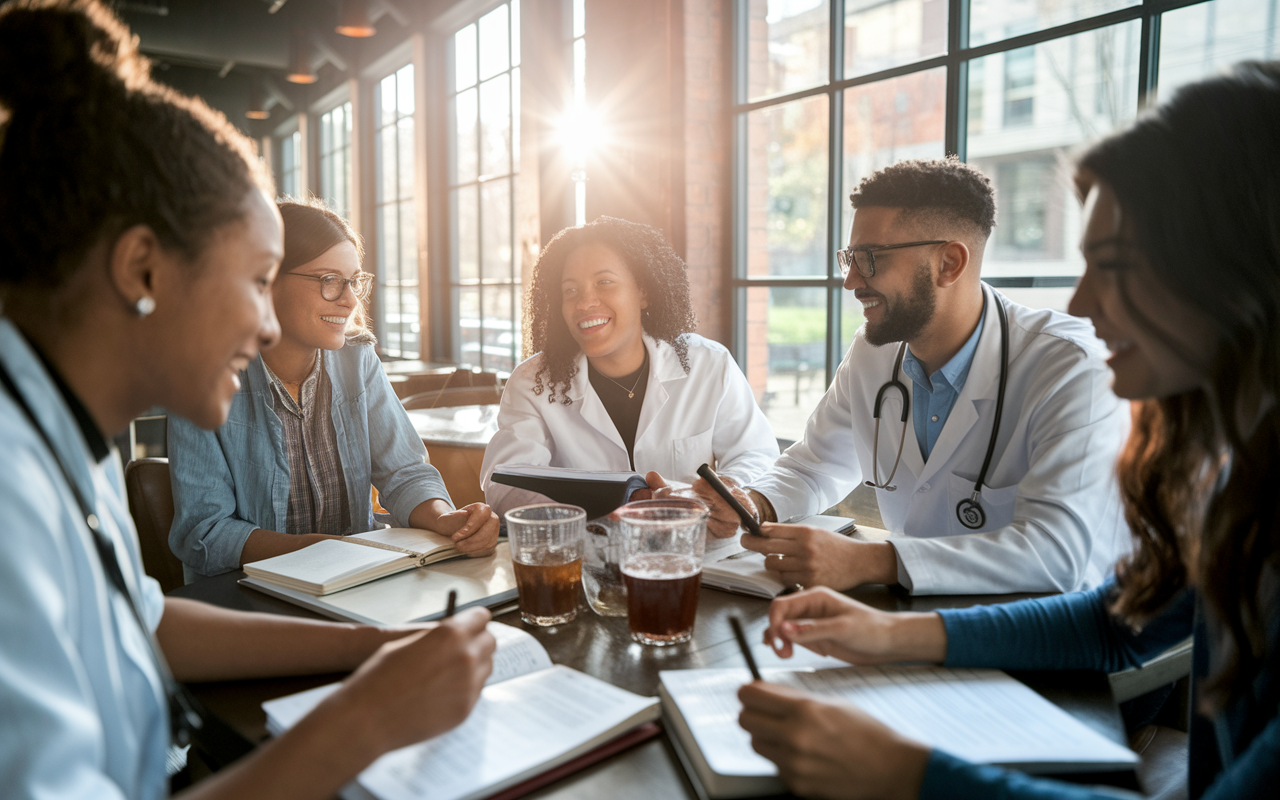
pixel 662 567
pixel 546 548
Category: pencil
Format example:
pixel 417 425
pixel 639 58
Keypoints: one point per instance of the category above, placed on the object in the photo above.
pixel 452 604
pixel 736 624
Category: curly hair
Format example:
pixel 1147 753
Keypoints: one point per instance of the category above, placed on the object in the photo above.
pixel 945 186
pixel 659 272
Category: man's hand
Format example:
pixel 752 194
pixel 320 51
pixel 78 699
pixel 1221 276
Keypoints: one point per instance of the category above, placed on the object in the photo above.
pixel 724 521
pixel 806 556
pixel 830 750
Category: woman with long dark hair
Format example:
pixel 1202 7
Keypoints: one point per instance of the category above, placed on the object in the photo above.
pixel 140 246
pixel 619 381
pixel 318 403
pixel 1182 280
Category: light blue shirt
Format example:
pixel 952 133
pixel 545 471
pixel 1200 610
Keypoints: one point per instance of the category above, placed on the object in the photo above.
pixel 82 706
pixel 229 482
pixel 933 399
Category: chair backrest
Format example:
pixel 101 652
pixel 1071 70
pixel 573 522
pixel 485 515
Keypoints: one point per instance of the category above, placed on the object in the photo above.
pixel 443 398
pixel 408 385
pixel 146 481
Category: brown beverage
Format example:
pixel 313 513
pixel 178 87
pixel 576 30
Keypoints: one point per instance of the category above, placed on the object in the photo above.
pixel 662 597
pixel 548 593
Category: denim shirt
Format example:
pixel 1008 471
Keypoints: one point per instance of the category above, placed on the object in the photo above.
pixel 229 482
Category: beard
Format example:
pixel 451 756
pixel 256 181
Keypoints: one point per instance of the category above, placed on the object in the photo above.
pixel 906 317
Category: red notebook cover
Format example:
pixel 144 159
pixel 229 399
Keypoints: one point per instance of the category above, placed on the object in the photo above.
pixel 626 741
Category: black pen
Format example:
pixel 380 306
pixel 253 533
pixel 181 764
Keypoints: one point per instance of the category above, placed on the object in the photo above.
pixel 748 521
pixel 736 624
pixel 452 604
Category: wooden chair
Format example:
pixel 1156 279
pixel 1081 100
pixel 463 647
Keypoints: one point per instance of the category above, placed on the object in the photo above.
pixel 443 398
pixel 408 385
pixel 146 481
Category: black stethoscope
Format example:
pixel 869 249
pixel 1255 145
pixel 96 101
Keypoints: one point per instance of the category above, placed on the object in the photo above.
pixel 968 511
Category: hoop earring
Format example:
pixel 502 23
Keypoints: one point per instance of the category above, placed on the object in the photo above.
pixel 145 306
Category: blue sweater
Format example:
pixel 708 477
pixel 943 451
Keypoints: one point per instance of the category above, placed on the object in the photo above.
pixel 1235 755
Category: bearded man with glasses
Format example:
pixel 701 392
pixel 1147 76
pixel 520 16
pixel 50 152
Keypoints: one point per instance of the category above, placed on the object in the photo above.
pixel 987 428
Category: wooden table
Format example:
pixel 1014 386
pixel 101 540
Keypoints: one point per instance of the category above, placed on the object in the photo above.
pixel 603 648
pixel 456 437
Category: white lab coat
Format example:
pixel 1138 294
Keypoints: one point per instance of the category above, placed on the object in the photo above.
pixel 1053 516
pixel 706 416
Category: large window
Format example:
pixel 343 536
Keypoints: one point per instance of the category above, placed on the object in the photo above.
pixel 397 317
pixel 828 91
pixel 335 159
pixel 484 160
pixel 291 164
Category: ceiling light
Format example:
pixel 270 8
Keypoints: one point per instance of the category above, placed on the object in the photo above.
pixel 300 70
pixel 354 21
pixel 257 102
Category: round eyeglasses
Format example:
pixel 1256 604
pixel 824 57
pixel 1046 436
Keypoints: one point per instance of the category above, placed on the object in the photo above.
pixel 332 286
pixel 863 259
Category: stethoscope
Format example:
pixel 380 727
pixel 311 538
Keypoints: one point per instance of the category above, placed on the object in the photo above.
pixel 968 511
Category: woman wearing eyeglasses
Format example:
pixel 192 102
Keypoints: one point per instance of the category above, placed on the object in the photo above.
pixel 314 424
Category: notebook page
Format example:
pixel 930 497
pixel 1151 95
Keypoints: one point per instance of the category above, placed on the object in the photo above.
pixel 517 726
pixel 415 539
pixel 518 653
pixel 324 562
pixel 983 716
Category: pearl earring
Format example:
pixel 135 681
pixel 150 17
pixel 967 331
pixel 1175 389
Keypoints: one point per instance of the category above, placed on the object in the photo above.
pixel 145 306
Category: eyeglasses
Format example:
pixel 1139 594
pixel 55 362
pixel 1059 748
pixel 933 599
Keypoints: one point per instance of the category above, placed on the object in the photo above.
pixel 863 259
pixel 332 286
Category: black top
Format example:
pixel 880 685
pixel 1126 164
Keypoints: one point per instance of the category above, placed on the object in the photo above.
pixel 623 398
pixel 88 428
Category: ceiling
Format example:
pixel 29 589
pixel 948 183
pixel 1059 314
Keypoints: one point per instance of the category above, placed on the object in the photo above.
pixel 227 51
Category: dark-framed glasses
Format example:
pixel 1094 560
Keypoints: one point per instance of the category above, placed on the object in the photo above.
pixel 863 259
pixel 332 286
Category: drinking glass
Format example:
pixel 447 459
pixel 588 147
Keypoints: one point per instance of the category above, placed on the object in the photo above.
pixel 664 541
pixel 603 549
pixel 546 548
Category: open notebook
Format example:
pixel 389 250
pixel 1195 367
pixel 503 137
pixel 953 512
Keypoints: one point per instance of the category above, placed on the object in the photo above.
pixel 980 715
pixel 532 717
pixel 332 565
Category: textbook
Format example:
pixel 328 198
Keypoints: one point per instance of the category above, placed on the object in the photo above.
pixel 730 567
pixel 599 493
pixel 533 721
pixel 332 565
pixel 417 595
pixel 980 715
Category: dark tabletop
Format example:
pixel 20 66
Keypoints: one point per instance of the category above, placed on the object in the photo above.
pixel 603 648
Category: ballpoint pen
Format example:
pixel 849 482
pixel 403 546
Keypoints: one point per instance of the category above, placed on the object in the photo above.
pixel 452 603
pixel 736 624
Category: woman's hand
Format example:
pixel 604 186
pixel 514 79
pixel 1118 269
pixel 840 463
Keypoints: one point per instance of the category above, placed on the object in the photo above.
pixel 831 624
pixel 473 528
pixel 418 686
pixel 829 750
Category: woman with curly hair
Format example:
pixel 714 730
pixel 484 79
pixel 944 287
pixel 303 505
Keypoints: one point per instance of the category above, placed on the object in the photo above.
pixel 1182 280
pixel 619 381
pixel 315 423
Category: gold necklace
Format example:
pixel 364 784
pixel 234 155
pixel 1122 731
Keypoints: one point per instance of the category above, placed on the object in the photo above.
pixel 632 391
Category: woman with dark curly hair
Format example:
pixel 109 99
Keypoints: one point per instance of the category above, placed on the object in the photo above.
pixel 619 381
